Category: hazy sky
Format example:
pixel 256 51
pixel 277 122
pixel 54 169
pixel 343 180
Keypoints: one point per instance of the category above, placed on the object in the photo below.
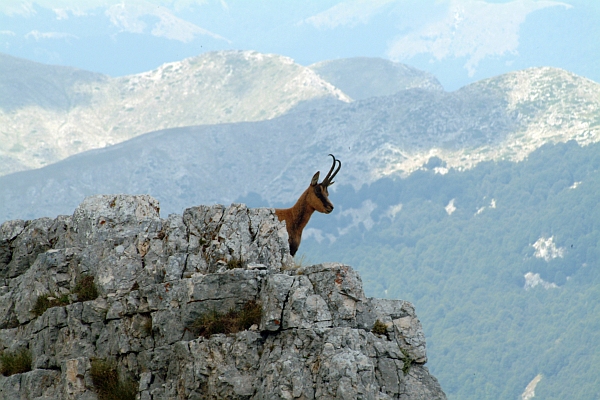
pixel 460 41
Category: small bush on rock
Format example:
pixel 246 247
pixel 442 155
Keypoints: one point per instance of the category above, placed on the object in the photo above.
pixel 85 289
pixel 16 362
pixel 147 326
pixel 231 322
pixel 47 301
pixel 108 384
pixel 379 328
pixel 235 263
pixel 299 263
pixel 407 360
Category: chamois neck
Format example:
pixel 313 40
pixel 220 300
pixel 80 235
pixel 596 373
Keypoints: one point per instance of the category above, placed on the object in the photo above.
pixel 302 211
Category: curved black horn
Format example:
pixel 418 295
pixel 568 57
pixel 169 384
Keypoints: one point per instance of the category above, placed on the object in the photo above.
pixel 328 181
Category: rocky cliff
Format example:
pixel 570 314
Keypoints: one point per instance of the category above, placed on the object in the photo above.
pixel 115 301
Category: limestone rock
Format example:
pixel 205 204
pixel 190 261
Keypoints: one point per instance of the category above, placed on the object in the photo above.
pixel 155 277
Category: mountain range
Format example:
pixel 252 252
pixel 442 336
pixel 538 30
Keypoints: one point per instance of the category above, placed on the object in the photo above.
pixel 459 41
pixel 268 125
pixel 49 112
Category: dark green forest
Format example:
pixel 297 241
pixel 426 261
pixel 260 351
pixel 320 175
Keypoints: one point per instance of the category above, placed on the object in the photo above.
pixel 487 336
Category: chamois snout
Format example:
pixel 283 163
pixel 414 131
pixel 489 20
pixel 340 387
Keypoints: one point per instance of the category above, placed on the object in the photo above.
pixel 319 196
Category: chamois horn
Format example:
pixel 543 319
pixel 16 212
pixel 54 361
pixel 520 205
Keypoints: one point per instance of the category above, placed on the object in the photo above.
pixel 328 181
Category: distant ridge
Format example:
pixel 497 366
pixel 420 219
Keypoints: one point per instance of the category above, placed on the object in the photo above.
pixel 364 77
pixel 48 113
pixel 25 83
pixel 506 117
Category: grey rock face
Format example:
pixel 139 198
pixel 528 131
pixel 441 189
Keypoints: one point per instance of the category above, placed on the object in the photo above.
pixel 156 277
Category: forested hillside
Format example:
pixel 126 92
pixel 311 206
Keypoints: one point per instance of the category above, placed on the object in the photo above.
pixel 502 262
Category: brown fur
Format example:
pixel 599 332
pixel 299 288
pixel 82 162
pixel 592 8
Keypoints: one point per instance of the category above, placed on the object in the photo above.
pixel 314 198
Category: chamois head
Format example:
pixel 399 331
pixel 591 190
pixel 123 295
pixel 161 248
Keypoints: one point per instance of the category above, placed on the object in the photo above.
pixel 317 194
pixel 315 198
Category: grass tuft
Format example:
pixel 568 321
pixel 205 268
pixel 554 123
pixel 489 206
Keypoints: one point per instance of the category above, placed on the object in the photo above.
pixel 231 322
pixel 407 361
pixel 147 326
pixel 108 384
pixel 47 301
pixel 379 328
pixel 16 362
pixel 235 263
pixel 250 314
pixel 297 266
pixel 85 288
pixel 300 262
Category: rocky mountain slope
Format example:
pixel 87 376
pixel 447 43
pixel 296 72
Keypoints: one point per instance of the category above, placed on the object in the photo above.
pixel 502 118
pixel 364 77
pixel 154 282
pixel 48 113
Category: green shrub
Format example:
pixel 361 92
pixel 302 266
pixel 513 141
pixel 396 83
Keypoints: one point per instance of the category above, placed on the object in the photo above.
pixel 47 301
pixel 85 289
pixel 250 314
pixel 13 322
pixel 235 263
pixel 407 360
pixel 16 362
pixel 42 303
pixel 108 384
pixel 210 323
pixel 231 322
pixel 147 326
pixel 379 328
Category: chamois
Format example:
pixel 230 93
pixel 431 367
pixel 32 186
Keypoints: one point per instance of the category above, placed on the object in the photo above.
pixel 314 198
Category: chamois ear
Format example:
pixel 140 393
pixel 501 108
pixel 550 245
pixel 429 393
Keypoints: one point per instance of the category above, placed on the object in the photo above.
pixel 315 179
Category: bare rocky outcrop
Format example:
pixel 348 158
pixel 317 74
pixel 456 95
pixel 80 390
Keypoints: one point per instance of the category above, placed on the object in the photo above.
pixel 156 276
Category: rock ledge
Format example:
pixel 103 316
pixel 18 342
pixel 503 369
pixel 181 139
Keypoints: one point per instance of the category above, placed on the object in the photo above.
pixel 156 276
